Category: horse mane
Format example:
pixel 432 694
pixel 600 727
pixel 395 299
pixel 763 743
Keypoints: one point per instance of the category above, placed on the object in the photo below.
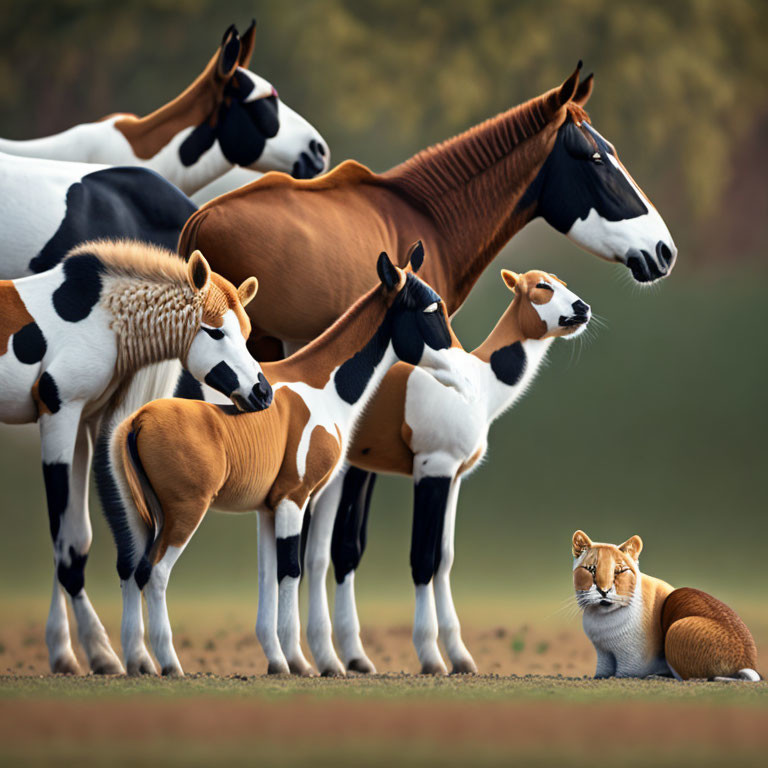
pixel 430 176
pixel 141 261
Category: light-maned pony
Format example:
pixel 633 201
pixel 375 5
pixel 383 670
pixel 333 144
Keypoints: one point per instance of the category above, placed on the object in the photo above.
pixel 435 429
pixel 227 117
pixel 71 339
pixel 174 458
pixel 465 198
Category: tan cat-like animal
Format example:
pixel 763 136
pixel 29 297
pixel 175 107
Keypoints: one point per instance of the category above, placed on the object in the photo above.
pixel 642 626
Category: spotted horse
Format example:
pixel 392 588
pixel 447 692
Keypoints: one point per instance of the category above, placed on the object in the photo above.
pixel 174 458
pixel 434 427
pixel 465 198
pixel 71 339
pixel 227 117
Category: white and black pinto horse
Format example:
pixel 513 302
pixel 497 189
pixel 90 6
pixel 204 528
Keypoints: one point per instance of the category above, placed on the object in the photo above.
pixel 71 339
pixel 227 117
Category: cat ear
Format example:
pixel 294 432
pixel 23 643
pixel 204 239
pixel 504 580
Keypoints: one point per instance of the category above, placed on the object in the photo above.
pixel 633 547
pixel 580 543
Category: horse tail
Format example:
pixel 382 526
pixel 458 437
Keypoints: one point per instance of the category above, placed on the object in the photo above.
pixel 188 237
pixel 130 504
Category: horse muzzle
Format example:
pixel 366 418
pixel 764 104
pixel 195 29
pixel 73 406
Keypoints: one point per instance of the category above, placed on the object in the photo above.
pixel 312 161
pixel 646 268
pixel 259 398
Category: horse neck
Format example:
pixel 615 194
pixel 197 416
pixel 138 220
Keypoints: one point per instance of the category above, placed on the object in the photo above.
pixel 471 187
pixel 507 333
pixel 360 339
pixel 152 321
pixel 72 145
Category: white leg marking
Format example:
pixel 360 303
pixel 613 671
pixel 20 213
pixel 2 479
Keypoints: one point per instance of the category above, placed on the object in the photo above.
pixel 137 659
pixel 266 617
pixel 318 555
pixel 346 625
pixel 447 618
pixel 288 519
pixel 160 633
pixel 60 653
pixel 425 632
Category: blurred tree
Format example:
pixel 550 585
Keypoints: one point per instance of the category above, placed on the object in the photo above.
pixel 680 87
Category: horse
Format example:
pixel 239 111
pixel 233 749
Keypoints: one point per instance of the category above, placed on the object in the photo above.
pixel 174 458
pixel 227 117
pixel 71 339
pixel 406 434
pixel 465 198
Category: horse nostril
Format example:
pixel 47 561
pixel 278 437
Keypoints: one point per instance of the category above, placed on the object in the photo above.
pixel 314 146
pixel 580 308
pixel 320 149
pixel 664 253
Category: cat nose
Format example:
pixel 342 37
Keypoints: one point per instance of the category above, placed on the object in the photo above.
pixel 603 592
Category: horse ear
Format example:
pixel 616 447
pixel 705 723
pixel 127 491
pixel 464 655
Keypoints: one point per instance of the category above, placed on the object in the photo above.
pixel 584 91
pixel 247 290
pixel 389 274
pixel 229 54
pixel 510 278
pixel 247 42
pixel 633 547
pixel 198 271
pixel 567 90
pixel 580 542
pixel 416 256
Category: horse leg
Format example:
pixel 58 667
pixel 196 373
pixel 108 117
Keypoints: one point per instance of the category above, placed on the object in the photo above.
pixel 65 448
pixel 318 555
pixel 430 501
pixel 137 659
pixel 447 618
pixel 288 520
pixel 75 536
pixel 160 633
pixel 347 547
pixel 266 617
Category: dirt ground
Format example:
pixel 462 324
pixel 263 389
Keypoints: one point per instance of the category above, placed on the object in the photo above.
pixel 235 650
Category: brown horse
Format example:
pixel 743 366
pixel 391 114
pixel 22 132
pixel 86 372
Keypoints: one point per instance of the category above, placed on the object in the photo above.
pixel 464 199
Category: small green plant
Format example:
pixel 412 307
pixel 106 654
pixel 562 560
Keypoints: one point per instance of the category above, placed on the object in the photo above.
pixel 542 647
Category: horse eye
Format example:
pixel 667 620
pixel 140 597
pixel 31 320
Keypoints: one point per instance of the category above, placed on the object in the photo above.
pixel 547 286
pixel 596 159
pixel 214 333
pixel 431 308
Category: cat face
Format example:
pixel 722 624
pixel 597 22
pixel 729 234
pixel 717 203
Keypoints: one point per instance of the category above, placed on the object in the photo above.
pixel 604 575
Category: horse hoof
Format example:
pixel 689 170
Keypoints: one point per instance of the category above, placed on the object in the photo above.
pixel 173 671
pixel 141 667
pixel 302 670
pixel 464 667
pixel 66 665
pixel 334 671
pixel 362 666
pixel 434 668
pixel 277 668
pixel 107 664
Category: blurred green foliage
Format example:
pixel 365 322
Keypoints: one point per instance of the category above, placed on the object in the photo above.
pixel 681 87
pixel 657 427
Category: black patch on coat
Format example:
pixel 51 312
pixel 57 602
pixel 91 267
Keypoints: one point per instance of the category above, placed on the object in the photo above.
pixel 429 505
pixel 130 203
pixel 48 392
pixel 56 479
pixel 214 333
pixel 74 299
pixel 112 504
pixel 29 344
pixel 72 576
pixel 354 374
pixel 570 183
pixel 350 529
pixel 288 557
pixel 222 378
pixel 508 363
pixel 188 387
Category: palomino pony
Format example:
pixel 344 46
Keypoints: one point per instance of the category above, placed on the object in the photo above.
pixel 71 339
pixel 227 117
pixel 406 433
pixel 465 198
pixel 173 458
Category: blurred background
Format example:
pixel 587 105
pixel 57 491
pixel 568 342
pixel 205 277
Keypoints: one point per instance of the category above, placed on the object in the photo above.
pixel 656 425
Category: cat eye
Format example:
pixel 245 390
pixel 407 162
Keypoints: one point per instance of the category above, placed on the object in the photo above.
pixel 431 308
pixel 547 286
pixel 621 570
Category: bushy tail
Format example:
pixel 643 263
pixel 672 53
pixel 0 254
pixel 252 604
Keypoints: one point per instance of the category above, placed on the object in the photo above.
pixel 188 237
pixel 130 504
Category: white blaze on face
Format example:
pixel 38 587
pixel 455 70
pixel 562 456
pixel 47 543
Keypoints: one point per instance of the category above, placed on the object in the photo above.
pixel 612 240
pixel 559 306
pixel 294 136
